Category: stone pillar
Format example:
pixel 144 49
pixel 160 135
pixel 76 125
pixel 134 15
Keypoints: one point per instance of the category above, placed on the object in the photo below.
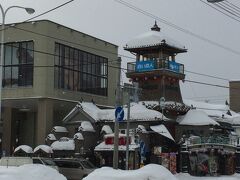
pixel 44 120
pixel 7 131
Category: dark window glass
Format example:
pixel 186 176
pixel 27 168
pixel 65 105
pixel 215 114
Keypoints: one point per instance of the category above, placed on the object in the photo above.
pixel 77 70
pixel 18 64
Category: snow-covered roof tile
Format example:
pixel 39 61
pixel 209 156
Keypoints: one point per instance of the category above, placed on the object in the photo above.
pixel 51 137
pixel 196 117
pixel 63 145
pixel 78 136
pixel 25 148
pixel 44 148
pixel 109 147
pixel 152 38
pixel 161 129
pixel 86 126
pixel 107 129
pixel 59 129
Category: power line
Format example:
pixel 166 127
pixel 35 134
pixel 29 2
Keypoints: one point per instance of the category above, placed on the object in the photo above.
pixel 206 75
pixel 238 8
pixel 230 7
pixel 70 42
pixel 116 67
pixel 177 27
pixel 208 4
pixel 228 10
pixel 46 12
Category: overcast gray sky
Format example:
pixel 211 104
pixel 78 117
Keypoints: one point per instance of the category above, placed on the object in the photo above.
pixel 113 22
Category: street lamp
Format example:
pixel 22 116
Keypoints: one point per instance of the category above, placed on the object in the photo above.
pixel 4 12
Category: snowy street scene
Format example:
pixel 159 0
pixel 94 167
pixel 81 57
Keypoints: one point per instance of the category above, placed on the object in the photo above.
pixel 119 90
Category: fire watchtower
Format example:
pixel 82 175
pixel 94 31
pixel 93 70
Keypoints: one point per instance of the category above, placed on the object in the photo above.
pixel 156 69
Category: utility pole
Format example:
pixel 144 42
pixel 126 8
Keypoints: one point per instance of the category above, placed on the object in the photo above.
pixel 130 90
pixel 116 125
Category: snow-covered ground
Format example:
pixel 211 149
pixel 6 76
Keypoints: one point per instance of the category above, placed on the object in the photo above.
pixel 149 172
pixel 30 172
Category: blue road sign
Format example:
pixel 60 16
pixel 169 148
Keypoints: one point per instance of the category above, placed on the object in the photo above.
pixel 119 114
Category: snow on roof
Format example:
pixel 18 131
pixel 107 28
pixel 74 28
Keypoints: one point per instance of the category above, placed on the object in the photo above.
pixel 161 129
pixel 51 137
pixel 137 112
pixel 205 105
pixel 107 129
pixel 44 148
pixel 63 145
pixel 150 172
pixel 109 147
pixel 196 117
pixel 218 111
pixel 30 172
pixel 78 136
pixel 86 126
pixel 59 129
pixel 25 148
pixel 152 38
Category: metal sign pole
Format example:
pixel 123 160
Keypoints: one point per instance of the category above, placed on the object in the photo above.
pixel 127 142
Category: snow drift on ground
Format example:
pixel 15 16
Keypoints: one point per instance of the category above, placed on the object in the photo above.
pixel 148 172
pixel 30 172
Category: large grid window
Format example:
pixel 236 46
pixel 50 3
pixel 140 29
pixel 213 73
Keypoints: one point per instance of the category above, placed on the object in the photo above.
pixel 18 64
pixel 78 70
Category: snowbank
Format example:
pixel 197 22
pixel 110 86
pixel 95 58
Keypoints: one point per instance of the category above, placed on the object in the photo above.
pixel 149 172
pixel 30 172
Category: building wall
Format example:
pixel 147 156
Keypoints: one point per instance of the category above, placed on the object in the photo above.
pixel 48 105
pixel 234 93
pixel 43 84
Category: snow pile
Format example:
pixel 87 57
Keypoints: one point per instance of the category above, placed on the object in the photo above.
pixel 148 172
pixel 59 129
pixel 107 129
pixel 78 136
pixel 63 144
pixel 137 112
pixel 86 126
pixel 44 148
pixel 196 118
pixel 30 172
pixel 27 149
pixel 152 38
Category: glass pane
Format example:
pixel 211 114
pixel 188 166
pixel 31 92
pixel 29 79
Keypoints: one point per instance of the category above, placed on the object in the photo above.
pixel 7 77
pixel 8 54
pixel 15 55
pixel 29 52
pixel 15 76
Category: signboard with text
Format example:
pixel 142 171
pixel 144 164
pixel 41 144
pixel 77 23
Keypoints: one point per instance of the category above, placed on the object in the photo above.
pixel 144 66
pixel 174 66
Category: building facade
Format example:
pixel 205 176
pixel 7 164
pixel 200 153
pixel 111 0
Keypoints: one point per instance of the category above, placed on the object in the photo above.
pixel 234 88
pixel 47 69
